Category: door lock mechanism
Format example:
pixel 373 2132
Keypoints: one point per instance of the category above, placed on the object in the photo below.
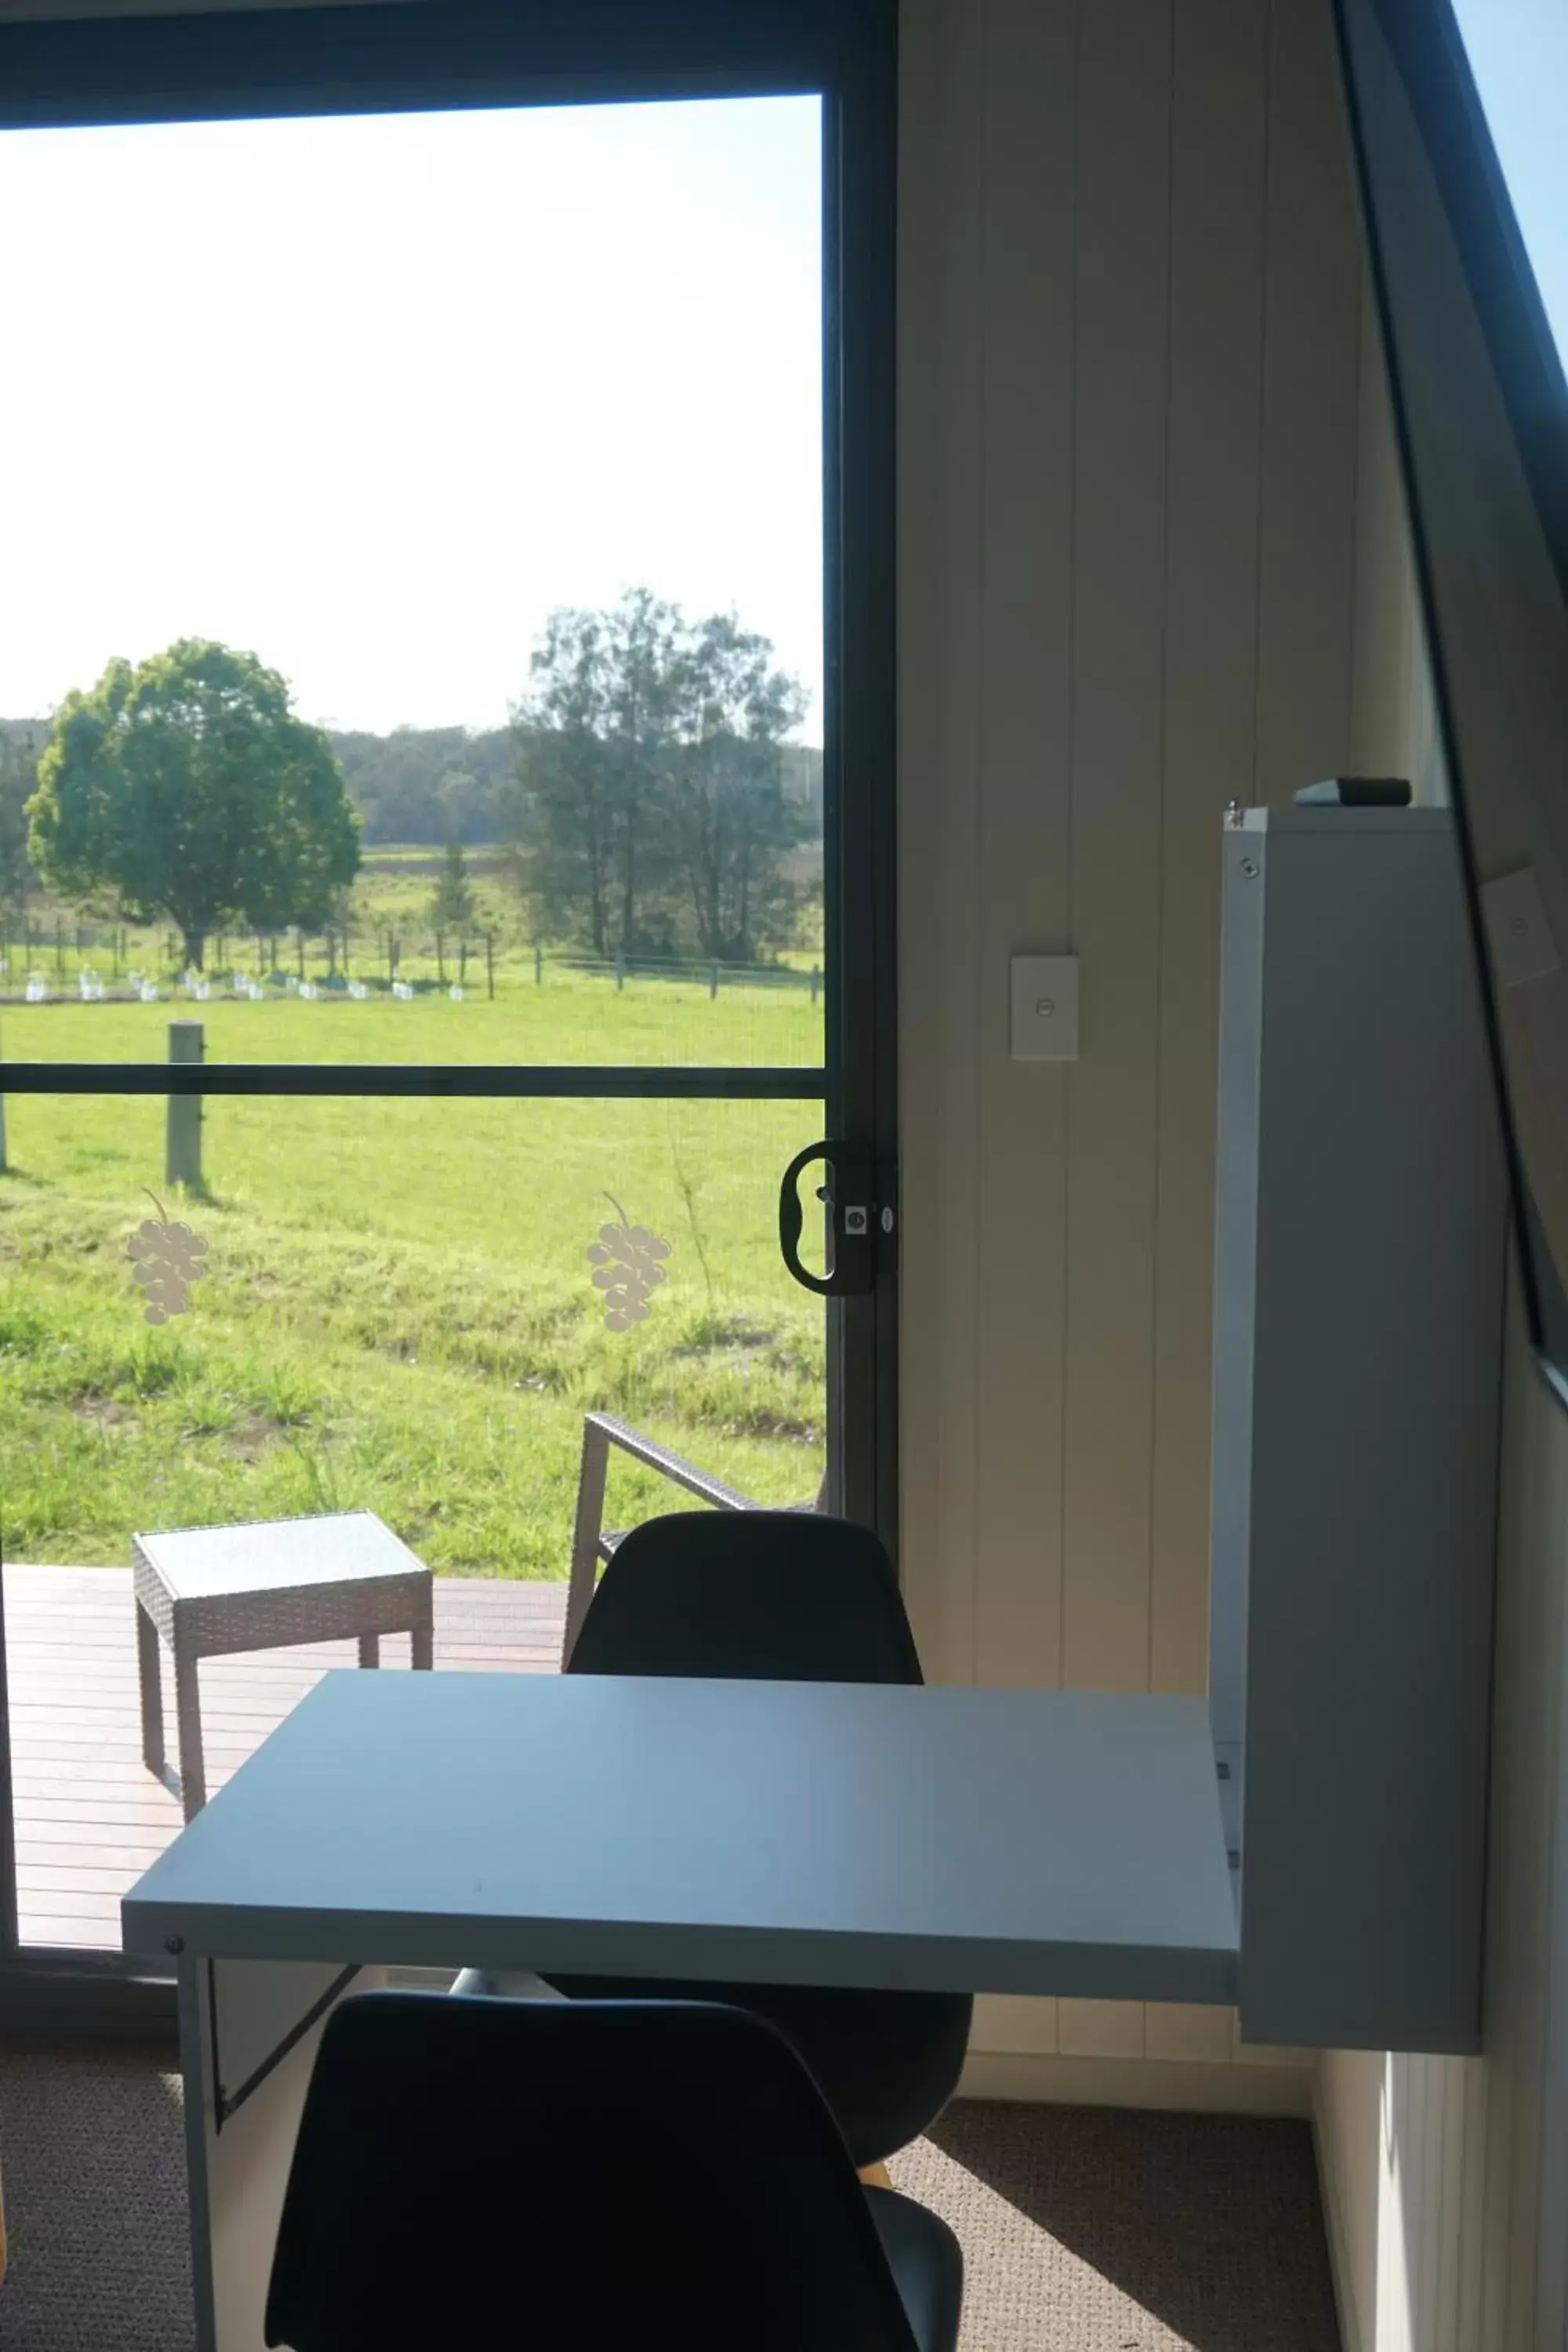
pixel 845 1198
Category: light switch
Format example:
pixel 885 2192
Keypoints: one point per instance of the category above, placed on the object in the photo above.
pixel 1045 1008
pixel 1518 932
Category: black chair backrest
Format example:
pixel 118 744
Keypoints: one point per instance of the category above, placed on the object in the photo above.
pixel 759 1596
pixel 604 2176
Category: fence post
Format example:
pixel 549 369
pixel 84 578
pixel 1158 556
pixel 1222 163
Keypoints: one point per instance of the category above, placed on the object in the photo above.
pixel 712 981
pixel 182 1149
pixel 59 948
pixel 816 984
pixel 491 964
pixel 538 965
pixel 440 959
pixel 620 967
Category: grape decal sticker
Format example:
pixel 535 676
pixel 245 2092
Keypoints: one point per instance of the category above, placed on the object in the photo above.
pixel 167 1257
pixel 629 1266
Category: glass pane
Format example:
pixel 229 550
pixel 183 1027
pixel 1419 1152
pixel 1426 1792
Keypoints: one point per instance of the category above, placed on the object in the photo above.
pixel 1519 54
pixel 501 563
pixel 403 1307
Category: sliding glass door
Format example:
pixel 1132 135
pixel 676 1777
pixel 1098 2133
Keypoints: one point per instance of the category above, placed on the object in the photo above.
pixel 444 855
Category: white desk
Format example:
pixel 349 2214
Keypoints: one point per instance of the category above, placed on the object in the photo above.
pixel 947 1839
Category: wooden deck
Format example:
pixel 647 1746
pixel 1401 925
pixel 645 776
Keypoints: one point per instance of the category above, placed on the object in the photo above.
pixel 90 1816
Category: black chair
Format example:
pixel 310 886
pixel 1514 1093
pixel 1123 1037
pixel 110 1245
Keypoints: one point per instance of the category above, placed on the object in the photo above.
pixel 783 1596
pixel 599 2175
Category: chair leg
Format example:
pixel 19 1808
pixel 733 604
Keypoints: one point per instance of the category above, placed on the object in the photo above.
pixel 586 1529
pixel 188 1715
pixel 422 1648
pixel 370 1649
pixel 150 1676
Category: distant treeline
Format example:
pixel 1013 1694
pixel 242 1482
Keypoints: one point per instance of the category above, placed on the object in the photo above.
pixel 429 784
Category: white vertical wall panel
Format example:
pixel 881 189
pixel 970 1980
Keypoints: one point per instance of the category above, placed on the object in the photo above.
pixel 1218 177
pixel 943 971
pixel 1129 365
pixel 1024 780
pixel 1122 333
pixel 1218 164
pixel 1121 340
pixel 1310 424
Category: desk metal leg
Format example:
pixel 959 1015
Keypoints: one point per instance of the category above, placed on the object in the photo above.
pixel 246 2078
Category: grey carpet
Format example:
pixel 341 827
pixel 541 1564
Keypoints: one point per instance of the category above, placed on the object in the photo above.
pixel 93 2157
pixel 1112 2229
pixel 1085 2229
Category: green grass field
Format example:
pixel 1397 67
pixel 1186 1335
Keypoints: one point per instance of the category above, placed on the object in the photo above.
pixel 400 1312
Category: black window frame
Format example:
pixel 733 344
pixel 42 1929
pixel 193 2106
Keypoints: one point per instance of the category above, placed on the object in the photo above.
pixel 419 56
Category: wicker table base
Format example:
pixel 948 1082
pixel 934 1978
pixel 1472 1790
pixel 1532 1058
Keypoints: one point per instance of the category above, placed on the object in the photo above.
pixel 210 1591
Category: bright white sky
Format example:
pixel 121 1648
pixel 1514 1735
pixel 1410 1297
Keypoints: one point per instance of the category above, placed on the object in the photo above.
pixel 1519 54
pixel 368 396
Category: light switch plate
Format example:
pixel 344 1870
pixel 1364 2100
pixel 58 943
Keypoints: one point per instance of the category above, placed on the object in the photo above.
pixel 1518 932
pixel 1045 1008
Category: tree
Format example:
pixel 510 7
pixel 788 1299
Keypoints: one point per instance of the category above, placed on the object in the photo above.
pixel 188 790
pixel 594 735
pixel 654 796
pixel 730 818
pixel 563 829
pixel 19 781
pixel 342 921
pixel 452 906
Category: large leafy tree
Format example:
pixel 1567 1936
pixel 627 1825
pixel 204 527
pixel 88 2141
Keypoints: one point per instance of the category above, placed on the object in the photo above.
pixel 186 790
pixel 730 819
pixel 594 735
pixel 653 797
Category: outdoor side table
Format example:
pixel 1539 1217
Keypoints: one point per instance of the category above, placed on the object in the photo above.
pixel 214 1592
